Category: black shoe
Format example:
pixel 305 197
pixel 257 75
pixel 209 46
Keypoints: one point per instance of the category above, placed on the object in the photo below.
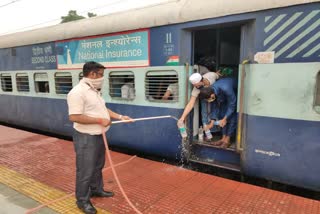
pixel 87 208
pixel 102 194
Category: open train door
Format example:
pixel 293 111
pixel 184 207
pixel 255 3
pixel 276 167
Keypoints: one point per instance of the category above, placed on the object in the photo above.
pixel 225 45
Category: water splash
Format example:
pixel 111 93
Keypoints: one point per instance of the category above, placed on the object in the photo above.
pixel 173 117
pixel 184 147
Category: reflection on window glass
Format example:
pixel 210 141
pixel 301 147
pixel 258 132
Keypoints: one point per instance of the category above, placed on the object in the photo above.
pixel 6 82
pixel 63 82
pixel 22 82
pixel 162 86
pixel 41 82
pixel 121 85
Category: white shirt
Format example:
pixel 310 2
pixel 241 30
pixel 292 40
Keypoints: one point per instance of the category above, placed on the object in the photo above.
pixel 203 70
pixel 127 91
pixel 173 88
pixel 84 99
pixel 211 77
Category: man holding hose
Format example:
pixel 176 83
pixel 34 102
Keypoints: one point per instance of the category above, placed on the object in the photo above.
pixel 90 119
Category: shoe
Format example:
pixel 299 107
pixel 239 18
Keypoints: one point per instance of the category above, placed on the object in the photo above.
pixel 87 208
pixel 102 194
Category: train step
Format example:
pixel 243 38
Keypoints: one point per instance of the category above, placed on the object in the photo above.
pixel 215 163
pixel 232 147
pixel 207 152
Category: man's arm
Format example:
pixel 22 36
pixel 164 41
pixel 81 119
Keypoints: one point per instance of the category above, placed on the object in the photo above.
pixel 231 105
pixel 84 119
pixel 188 108
pixel 117 116
pixel 166 95
pixel 114 115
pixel 232 102
pixel 214 114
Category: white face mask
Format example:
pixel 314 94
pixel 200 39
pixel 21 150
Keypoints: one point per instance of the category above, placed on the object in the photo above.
pixel 96 83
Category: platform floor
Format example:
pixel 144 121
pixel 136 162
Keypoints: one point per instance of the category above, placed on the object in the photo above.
pixel 43 169
pixel 12 201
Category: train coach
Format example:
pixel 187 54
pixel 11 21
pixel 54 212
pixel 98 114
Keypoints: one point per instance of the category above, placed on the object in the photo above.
pixel 146 50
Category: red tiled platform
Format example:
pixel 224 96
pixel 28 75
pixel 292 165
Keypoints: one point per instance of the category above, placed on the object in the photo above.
pixel 152 186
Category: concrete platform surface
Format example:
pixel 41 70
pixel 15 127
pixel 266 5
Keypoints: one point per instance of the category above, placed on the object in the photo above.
pixel 13 202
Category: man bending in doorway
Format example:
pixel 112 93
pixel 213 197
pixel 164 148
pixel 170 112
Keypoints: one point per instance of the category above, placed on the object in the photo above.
pixel 223 101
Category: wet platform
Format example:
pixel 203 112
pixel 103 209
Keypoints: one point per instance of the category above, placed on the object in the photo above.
pixel 42 168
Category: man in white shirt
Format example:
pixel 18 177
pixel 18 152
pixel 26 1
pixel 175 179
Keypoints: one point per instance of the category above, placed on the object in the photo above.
pixel 198 82
pixel 173 91
pixel 90 117
pixel 127 91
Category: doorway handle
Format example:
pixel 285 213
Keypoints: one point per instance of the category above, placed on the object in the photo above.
pixel 241 108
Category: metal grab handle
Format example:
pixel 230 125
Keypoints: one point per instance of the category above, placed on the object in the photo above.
pixel 241 107
pixel 144 118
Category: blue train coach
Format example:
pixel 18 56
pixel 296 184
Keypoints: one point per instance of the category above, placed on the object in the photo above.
pixel 146 50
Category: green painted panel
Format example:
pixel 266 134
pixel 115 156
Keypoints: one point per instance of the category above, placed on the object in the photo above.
pixel 139 78
pixel 281 90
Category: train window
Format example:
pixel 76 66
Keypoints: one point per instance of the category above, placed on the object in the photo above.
pixel 80 76
pixel 6 82
pixel 317 94
pixel 63 82
pixel 22 80
pixel 41 82
pixel 121 85
pixel 162 86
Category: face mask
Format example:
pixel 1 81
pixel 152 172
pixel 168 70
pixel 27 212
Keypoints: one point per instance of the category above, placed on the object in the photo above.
pixel 96 83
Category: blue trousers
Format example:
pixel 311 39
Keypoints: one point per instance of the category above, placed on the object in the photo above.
pixel 231 126
pixel 90 160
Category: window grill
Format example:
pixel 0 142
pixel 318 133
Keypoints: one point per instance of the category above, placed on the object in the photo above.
pixel 121 85
pixel 63 82
pixel 6 82
pixel 162 86
pixel 22 80
pixel 41 82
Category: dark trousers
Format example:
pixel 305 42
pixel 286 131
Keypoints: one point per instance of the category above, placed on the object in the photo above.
pixel 231 126
pixel 90 159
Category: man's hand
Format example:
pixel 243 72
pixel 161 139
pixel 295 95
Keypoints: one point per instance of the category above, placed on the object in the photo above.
pixel 105 122
pixel 209 126
pixel 180 121
pixel 223 122
pixel 127 119
pixel 219 73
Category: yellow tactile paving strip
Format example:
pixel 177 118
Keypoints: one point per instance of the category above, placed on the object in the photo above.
pixel 39 192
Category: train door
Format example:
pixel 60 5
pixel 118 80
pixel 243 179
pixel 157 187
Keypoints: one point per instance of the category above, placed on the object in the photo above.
pixel 221 45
